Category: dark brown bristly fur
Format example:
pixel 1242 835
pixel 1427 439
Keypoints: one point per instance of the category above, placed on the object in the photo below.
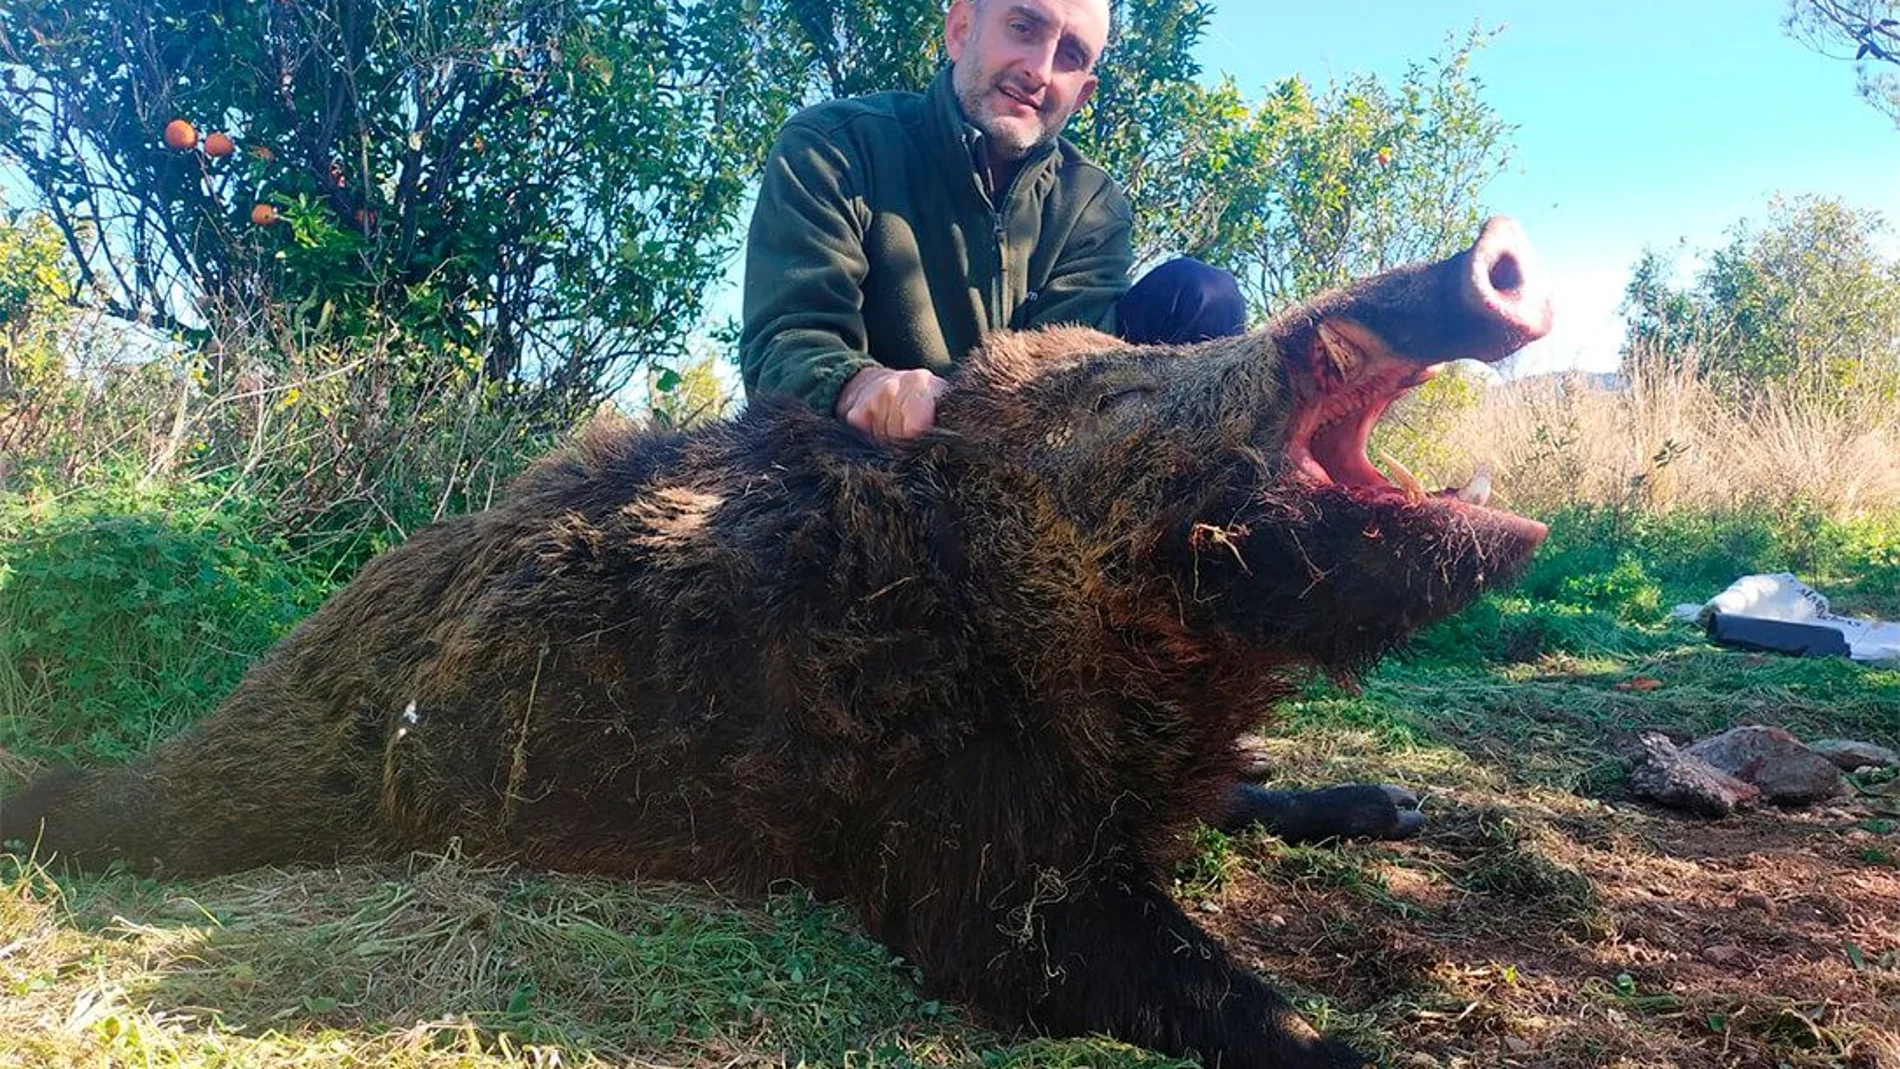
pixel 980 686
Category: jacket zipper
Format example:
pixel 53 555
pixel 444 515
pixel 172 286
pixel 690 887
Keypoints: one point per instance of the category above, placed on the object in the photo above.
pixel 999 319
pixel 1001 209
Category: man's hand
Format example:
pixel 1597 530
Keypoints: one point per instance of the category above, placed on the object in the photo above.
pixel 889 405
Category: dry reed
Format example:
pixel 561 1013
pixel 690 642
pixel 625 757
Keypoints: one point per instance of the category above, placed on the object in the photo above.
pixel 1667 439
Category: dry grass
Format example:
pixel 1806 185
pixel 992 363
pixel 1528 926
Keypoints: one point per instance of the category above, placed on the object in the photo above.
pixel 445 963
pixel 1672 441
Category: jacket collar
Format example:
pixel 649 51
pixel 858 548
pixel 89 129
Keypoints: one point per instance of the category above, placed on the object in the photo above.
pixel 961 144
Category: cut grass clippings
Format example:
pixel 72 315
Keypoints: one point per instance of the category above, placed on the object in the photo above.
pixel 446 963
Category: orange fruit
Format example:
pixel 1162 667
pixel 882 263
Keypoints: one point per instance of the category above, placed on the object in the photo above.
pixel 263 153
pixel 181 135
pixel 220 144
pixel 263 214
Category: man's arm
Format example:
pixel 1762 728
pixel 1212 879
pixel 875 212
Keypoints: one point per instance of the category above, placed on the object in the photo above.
pixel 1091 271
pixel 803 329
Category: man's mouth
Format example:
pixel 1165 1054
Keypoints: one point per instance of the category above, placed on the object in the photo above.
pixel 1019 98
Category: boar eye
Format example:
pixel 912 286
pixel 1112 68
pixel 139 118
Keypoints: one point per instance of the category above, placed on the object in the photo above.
pixel 1116 400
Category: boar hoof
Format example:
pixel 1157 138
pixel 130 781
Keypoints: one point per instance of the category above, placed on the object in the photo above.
pixel 1349 811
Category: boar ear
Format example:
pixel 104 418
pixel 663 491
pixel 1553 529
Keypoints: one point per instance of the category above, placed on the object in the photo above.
pixel 1335 357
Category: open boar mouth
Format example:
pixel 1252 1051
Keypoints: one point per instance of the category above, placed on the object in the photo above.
pixel 1483 304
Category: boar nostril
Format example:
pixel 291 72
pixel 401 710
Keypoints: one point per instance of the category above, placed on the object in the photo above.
pixel 1506 274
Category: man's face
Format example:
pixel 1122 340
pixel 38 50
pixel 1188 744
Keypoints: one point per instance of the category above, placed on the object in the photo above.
pixel 1022 67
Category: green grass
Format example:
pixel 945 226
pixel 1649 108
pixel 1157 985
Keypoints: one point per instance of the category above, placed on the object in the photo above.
pixel 1533 673
pixel 125 616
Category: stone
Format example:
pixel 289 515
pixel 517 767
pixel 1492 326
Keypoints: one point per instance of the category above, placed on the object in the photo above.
pixel 1666 775
pixel 1853 756
pixel 1784 770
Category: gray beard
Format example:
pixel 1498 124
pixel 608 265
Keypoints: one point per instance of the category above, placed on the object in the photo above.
pixel 1003 146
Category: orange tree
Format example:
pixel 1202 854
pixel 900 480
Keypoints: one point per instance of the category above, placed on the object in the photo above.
pixel 552 185
pixel 538 191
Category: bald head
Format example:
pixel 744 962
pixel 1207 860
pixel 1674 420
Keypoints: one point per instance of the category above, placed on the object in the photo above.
pixel 1022 68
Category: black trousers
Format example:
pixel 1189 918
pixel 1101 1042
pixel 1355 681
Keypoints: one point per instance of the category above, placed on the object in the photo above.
pixel 1182 301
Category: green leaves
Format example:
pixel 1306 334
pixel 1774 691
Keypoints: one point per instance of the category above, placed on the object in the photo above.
pixel 1859 31
pixel 1807 301
pixel 1305 188
pixel 498 156
pixel 124 616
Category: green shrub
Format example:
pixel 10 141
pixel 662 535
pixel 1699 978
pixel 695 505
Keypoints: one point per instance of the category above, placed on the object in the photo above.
pixel 125 616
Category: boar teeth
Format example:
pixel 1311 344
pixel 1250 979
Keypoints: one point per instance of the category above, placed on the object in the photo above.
pixel 1403 477
pixel 1478 490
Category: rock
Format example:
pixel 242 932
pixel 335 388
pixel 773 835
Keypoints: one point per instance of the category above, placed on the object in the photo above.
pixel 1723 954
pixel 1852 755
pixel 1664 774
pixel 1774 761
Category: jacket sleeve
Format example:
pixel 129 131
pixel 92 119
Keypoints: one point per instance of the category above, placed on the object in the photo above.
pixel 1091 272
pixel 803 323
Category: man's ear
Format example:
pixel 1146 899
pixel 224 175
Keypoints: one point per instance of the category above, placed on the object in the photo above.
pixel 956 28
pixel 1087 91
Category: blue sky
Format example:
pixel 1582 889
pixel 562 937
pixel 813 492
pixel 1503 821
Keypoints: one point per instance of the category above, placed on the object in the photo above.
pixel 1639 123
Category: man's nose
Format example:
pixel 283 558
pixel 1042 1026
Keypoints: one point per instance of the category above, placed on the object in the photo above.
pixel 1041 66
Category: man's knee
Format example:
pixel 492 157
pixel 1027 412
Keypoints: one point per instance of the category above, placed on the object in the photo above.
pixel 1183 300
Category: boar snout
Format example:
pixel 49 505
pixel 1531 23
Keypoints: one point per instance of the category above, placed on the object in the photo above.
pixel 1504 287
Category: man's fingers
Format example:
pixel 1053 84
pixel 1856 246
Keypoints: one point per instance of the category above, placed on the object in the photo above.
pixel 890 401
pixel 916 414
pixel 894 405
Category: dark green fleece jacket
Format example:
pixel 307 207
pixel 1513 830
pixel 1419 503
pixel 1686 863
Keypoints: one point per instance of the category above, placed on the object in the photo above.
pixel 877 239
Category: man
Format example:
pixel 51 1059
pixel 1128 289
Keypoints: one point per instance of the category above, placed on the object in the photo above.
pixel 893 231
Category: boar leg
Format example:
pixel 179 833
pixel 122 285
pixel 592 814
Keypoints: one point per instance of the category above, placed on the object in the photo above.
pixel 1001 882
pixel 1120 958
pixel 1351 811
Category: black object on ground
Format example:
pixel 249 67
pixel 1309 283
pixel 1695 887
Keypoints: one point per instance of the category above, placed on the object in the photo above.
pixel 1778 636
